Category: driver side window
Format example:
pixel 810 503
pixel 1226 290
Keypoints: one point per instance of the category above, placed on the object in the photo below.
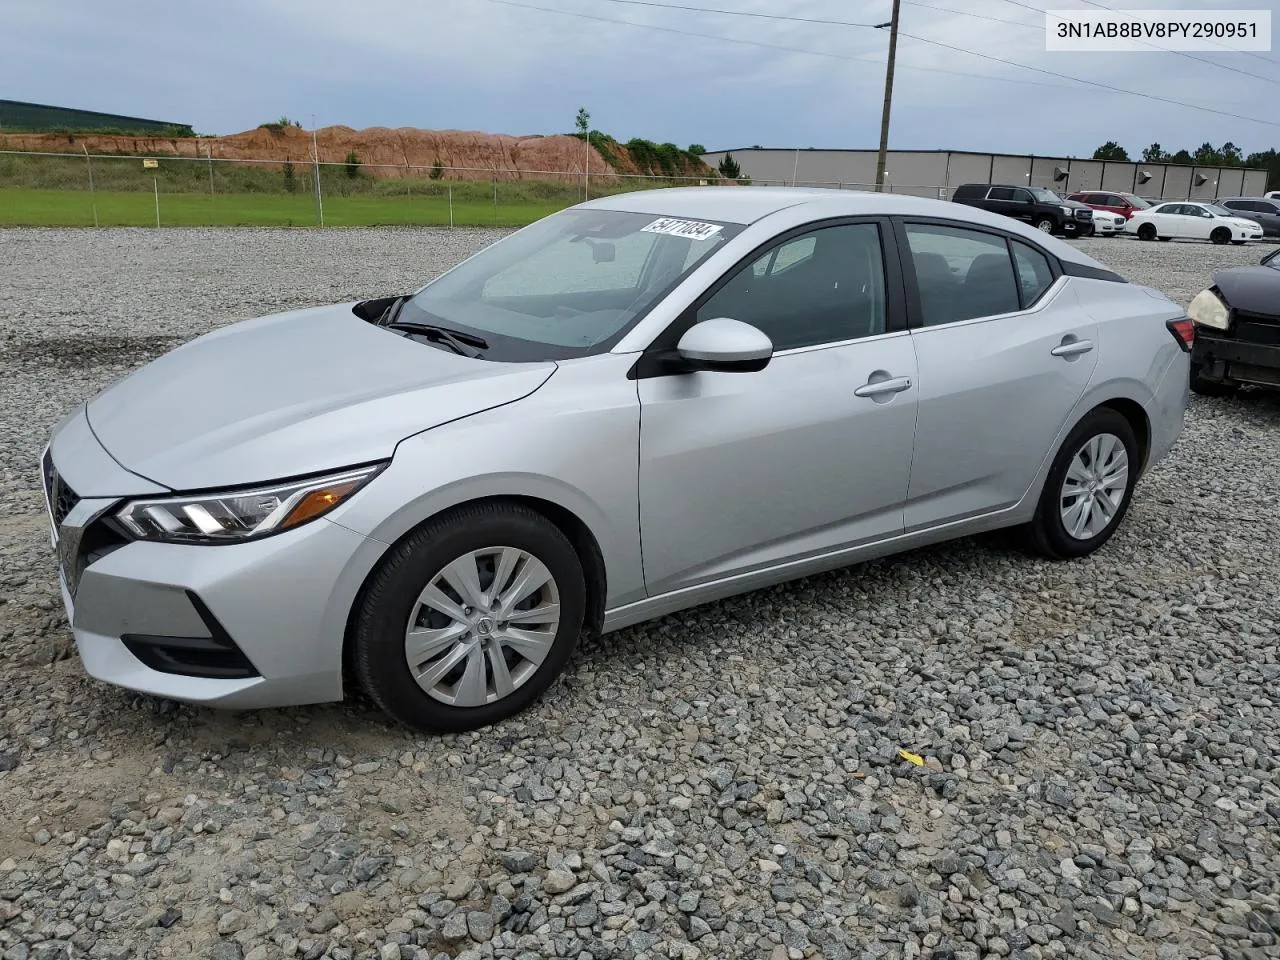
pixel 824 286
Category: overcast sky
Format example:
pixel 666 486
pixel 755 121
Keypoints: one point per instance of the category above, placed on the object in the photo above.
pixel 480 65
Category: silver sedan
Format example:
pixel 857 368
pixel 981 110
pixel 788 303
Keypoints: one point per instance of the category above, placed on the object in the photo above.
pixel 636 405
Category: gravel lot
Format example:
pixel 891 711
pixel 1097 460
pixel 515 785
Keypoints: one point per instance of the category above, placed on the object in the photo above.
pixel 1100 737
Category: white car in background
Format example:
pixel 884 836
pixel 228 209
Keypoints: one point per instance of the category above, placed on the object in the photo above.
pixel 1108 224
pixel 1185 220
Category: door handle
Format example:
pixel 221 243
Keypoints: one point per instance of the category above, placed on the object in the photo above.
pixel 880 388
pixel 1072 348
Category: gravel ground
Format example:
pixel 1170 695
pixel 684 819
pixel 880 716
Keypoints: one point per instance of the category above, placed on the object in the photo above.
pixel 1100 738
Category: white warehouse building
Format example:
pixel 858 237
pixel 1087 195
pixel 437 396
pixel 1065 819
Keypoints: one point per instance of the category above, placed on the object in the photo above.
pixel 935 173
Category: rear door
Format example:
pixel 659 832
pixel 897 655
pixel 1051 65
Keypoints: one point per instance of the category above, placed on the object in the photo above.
pixel 1004 352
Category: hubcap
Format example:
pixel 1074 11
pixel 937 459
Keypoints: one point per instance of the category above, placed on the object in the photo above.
pixel 1094 487
pixel 483 626
pixel 1045 226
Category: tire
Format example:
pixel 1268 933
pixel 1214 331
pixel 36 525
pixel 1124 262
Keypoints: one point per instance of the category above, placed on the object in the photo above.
pixel 1220 236
pixel 1045 225
pixel 1204 387
pixel 1105 432
pixel 1147 231
pixel 483 536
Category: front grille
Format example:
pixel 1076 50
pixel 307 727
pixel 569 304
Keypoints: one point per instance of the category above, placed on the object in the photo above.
pixel 1084 214
pixel 62 499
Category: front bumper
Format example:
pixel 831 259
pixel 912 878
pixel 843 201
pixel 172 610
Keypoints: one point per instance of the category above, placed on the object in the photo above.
pixel 1108 227
pixel 247 625
pixel 1240 358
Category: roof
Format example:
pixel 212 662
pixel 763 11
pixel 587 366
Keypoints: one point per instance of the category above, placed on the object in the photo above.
pixel 746 205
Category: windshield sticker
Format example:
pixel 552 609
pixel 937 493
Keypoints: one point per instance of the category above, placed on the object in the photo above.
pixel 683 228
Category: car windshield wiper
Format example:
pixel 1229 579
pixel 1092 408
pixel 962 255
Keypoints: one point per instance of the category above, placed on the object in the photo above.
pixel 466 344
pixel 392 309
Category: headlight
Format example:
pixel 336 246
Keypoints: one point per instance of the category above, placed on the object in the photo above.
pixel 237 515
pixel 1067 211
pixel 1208 310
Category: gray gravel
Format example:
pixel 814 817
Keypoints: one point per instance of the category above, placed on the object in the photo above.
pixel 1100 738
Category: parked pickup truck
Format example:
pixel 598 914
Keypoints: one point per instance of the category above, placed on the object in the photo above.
pixel 1038 206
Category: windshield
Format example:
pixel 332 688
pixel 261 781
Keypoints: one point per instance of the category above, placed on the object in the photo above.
pixel 1045 195
pixel 569 285
pixel 1136 201
pixel 1218 211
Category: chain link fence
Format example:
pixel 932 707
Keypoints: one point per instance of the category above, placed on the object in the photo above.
pixel 69 189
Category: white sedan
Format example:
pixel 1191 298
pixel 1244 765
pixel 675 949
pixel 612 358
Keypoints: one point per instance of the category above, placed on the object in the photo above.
pixel 1193 221
pixel 1108 224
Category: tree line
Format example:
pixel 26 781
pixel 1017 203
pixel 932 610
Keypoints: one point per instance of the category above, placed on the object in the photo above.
pixel 1205 155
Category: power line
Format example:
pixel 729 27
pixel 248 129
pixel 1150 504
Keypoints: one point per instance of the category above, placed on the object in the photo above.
pixel 738 13
pixel 977 16
pixel 937 43
pixel 775 46
pixel 1247 53
pixel 1154 46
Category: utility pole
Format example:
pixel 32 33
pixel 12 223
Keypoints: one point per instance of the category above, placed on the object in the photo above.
pixel 888 94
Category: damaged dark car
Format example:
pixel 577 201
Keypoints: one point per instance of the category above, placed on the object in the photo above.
pixel 1237 329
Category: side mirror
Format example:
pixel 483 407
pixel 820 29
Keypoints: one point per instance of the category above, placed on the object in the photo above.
pixel 725 345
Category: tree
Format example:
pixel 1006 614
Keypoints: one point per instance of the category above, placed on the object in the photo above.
pixel 353 165
pixel 1268 160
pixel 697 149
pixel 1207 155
pixel 437 170
pixel 1154 154
pixel 1111 151
pixel 729 168
pixel 1230 154
pixel 583 122
pixel 1181 157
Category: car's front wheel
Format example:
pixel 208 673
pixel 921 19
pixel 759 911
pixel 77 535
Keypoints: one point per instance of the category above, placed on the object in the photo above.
pixel 1220 236
pixel 1088 489
pixel 471 618
pixel 1045 225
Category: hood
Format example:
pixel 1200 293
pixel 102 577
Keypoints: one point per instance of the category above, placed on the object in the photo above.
pixel 1076 205
pixel 1251 289
pixel 292 394
pixel 1243 221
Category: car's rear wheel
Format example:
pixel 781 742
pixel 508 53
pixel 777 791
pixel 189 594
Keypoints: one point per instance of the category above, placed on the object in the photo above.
pixel 1220 236
pixel 1045 225
pixel 1087 492
pixel 471 618
pixel 1147 231
pixel 1205 387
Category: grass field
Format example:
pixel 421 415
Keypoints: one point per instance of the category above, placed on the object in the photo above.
pixel 41 191
pixel 71 208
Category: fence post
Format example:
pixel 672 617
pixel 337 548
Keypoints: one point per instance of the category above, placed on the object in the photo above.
pixel 451 206
pixel 209 153
pixel 495 197
pixel 315 153
pixel 155 181
pixel 93 197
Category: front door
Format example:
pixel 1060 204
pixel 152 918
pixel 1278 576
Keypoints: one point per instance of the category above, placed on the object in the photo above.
pixel 741 471
pixel 1003 357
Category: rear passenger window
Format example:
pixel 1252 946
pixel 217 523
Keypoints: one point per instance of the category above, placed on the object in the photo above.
pixel 1001 193
pixel 961 274
pixel 1034 273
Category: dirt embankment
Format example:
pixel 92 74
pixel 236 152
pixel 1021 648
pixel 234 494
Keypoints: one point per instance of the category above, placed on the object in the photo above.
pixel 382 151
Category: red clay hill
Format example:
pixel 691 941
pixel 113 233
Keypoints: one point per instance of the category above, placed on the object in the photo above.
pixel 387 152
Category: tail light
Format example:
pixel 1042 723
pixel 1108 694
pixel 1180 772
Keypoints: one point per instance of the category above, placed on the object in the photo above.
pixel 1184 331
